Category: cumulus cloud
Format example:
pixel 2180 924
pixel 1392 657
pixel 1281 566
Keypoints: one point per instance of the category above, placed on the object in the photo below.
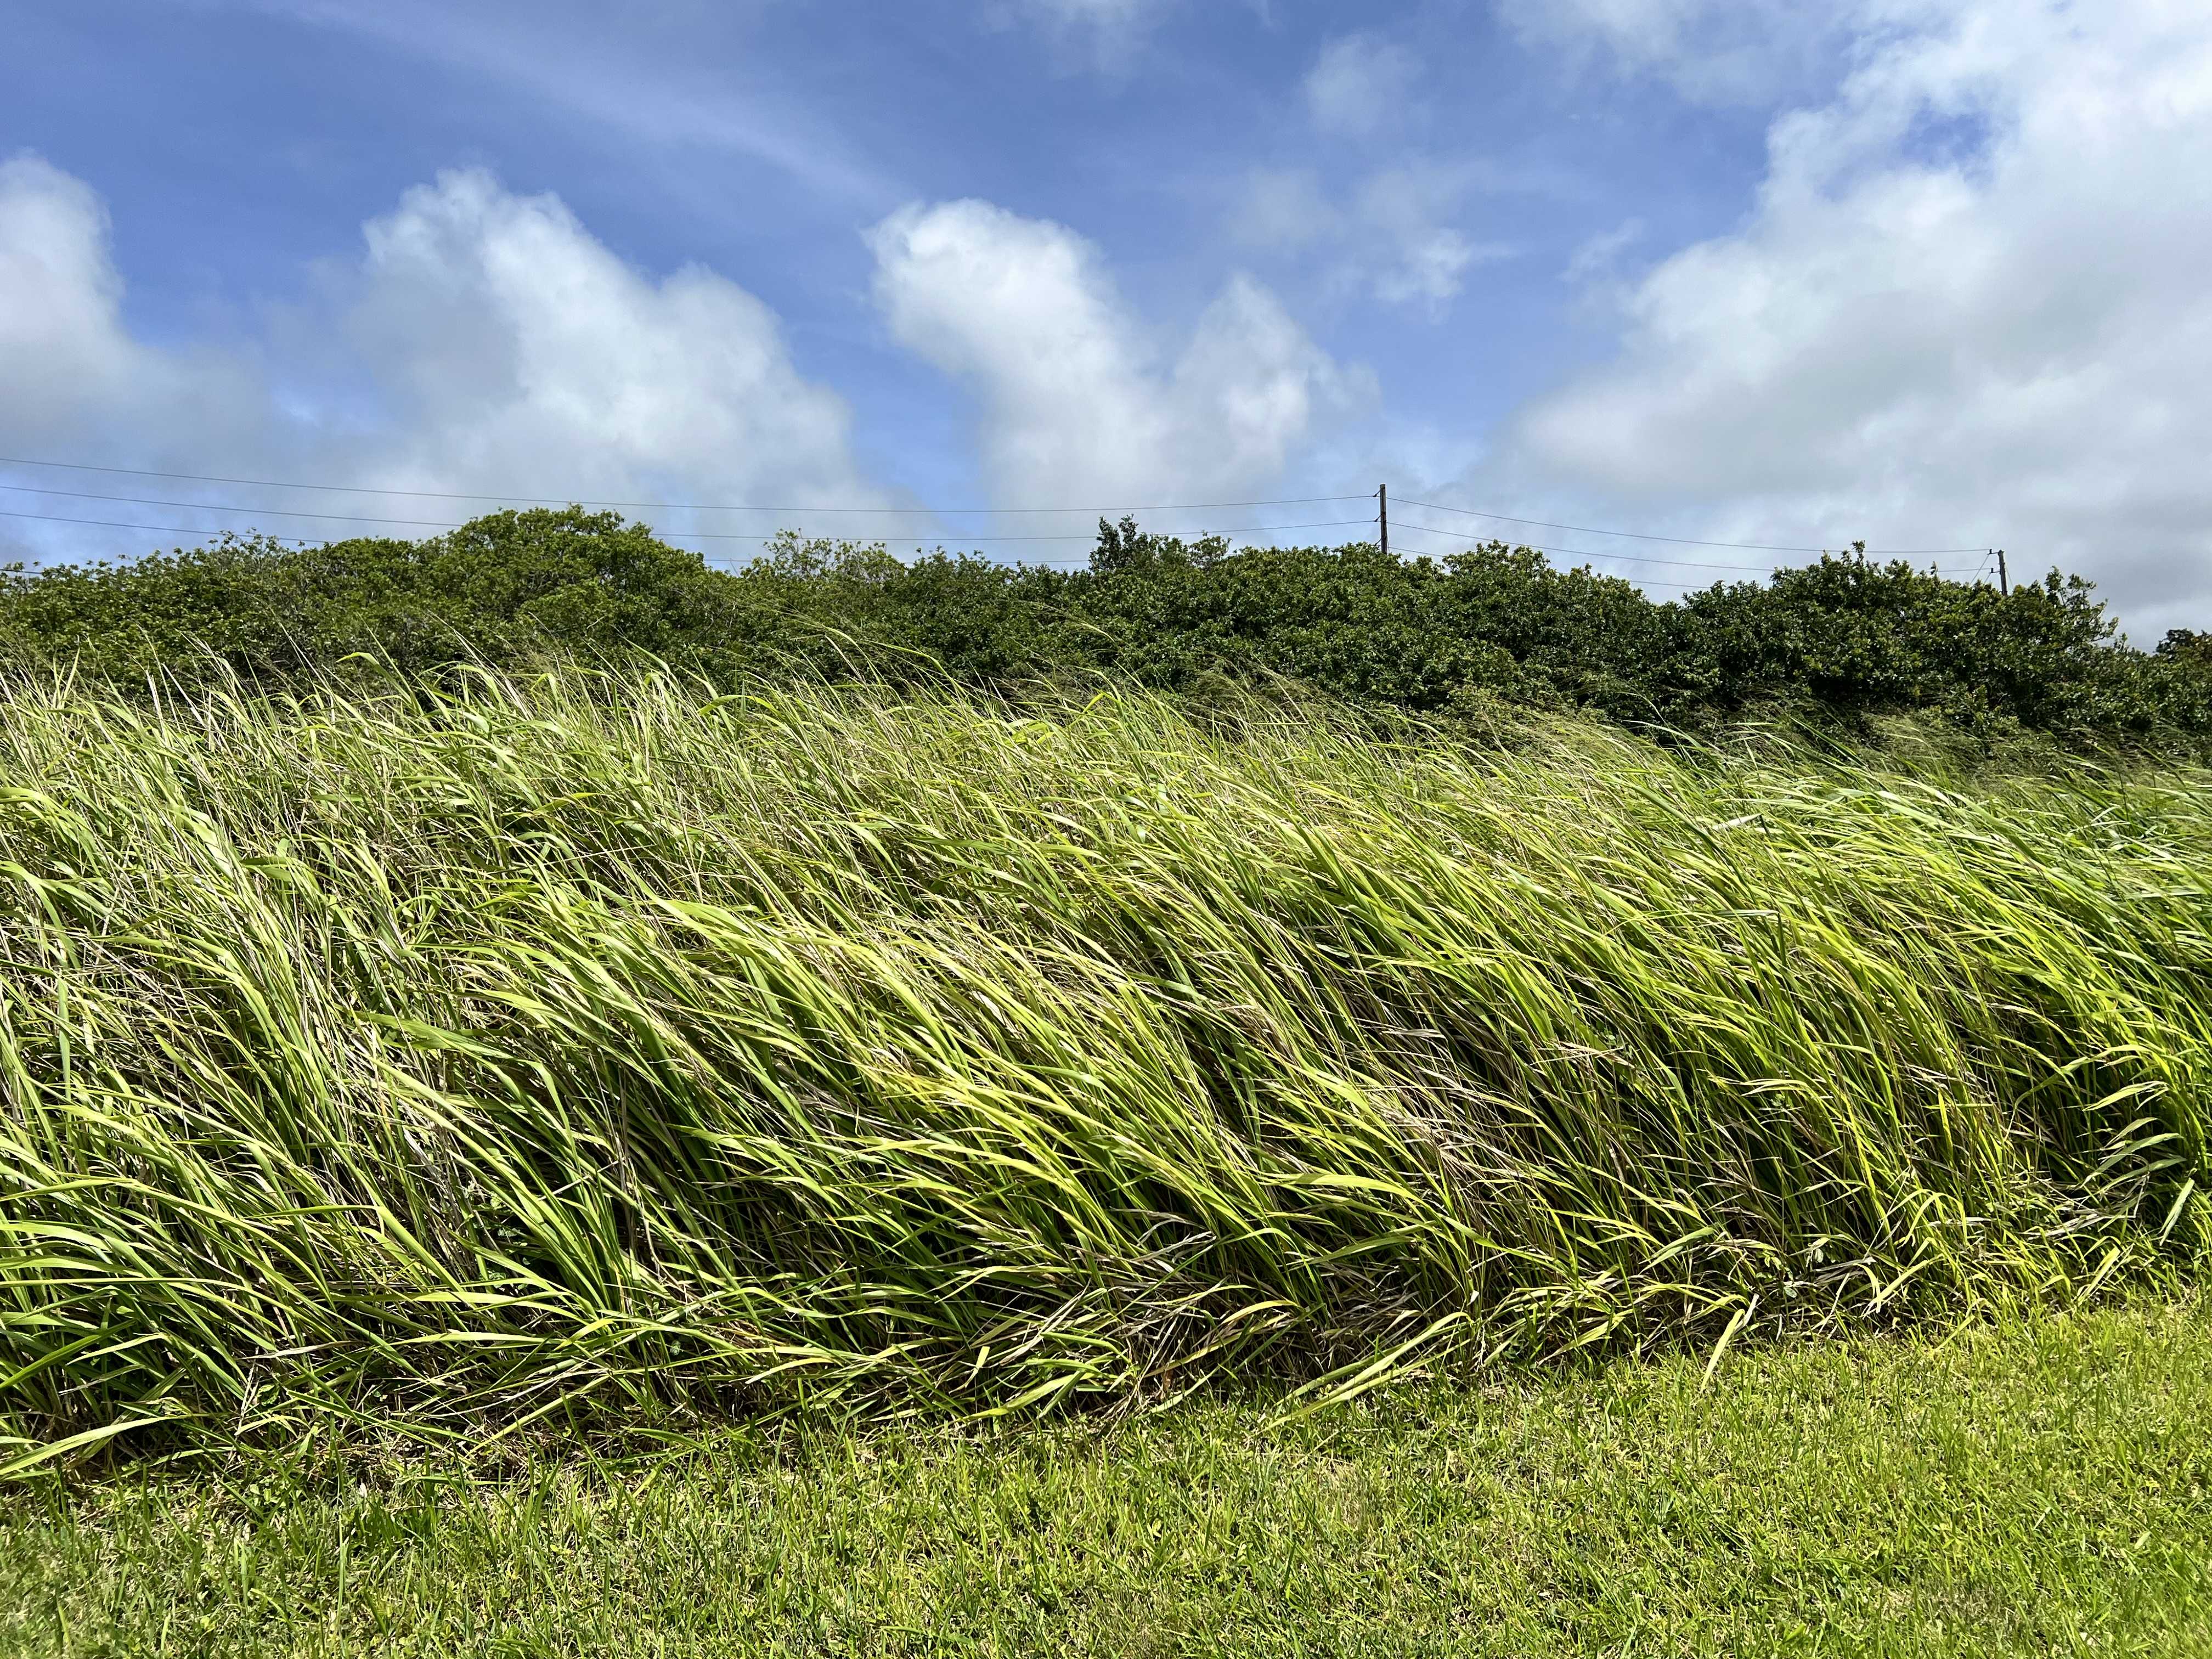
pixel 1080 400
pixel 61 327
pixel 483 341
pixel 1360 84
pixel 1968 308
pixel 512 344
pixel 67 362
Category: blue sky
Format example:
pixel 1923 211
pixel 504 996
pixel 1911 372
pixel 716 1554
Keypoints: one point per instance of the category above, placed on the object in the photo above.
pixel 1926 272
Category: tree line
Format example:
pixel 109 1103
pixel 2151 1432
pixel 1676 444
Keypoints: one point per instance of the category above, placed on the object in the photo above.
pixel 1840 642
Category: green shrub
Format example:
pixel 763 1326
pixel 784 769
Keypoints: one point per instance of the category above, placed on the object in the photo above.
pixel 1838 644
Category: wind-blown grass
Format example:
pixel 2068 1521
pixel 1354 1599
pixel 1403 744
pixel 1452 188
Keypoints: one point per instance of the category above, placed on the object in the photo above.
pixel 602 1045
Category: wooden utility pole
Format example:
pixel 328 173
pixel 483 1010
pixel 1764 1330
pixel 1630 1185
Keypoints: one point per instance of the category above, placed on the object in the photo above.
pixel 2004 582
pixel 1382 515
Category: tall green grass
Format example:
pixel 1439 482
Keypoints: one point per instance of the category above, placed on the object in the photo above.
pixel 444 1061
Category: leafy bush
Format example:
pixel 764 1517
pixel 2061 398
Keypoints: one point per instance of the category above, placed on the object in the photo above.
pixel 1839 643
pixel 499 589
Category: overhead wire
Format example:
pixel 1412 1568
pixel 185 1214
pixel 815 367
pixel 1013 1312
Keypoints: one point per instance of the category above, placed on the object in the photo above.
pixel 1570 553
pixel 439 524
pixel 157 528
pixel 1399 523
pixel 912 510
pixel 1688 541
pixel 1549 552
pixel 1692 564
pixel 665 506
pixel 1585 554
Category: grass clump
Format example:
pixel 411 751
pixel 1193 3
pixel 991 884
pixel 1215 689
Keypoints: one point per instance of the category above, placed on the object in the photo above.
pixel 602 1049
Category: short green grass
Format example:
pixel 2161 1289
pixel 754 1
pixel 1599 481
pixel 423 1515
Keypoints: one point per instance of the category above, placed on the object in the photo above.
pixel 2041 1487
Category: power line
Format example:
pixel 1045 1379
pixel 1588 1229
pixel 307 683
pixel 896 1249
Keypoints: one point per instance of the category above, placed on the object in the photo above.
pixel 158 529
pixel 731 558
pixel 309 541
pixel 666 535
pixel 213 506
pixel 1564 553
pixel 1549 552
pixel 917 510
pixel 1570 553
pixel 1688 541
pixel 1635 558
pixel 665 506
pixel 1686 564
pixel 726 536
pixel 439 524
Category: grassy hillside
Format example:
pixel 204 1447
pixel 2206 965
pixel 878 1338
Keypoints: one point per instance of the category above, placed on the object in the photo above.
pixel 615 1052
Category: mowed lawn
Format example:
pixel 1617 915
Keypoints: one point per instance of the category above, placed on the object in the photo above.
pixel 2042 1486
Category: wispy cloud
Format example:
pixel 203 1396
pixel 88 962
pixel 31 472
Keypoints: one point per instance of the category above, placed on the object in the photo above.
pixel 1362 85
pixel 589 66
pixel 1099 33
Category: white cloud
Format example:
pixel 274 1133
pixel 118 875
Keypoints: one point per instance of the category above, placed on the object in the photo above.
pixel 1079 402
pixel 63 298
pixel 488 342
pixel 67 362
pixel 1968 308
pixel 1361 85
pixel 513 344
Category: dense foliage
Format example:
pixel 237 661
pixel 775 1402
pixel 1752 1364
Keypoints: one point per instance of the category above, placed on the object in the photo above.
pixel 431 1059
pixel 1840 640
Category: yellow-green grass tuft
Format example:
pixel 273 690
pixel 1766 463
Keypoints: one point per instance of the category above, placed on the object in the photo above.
pixel 598 1045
